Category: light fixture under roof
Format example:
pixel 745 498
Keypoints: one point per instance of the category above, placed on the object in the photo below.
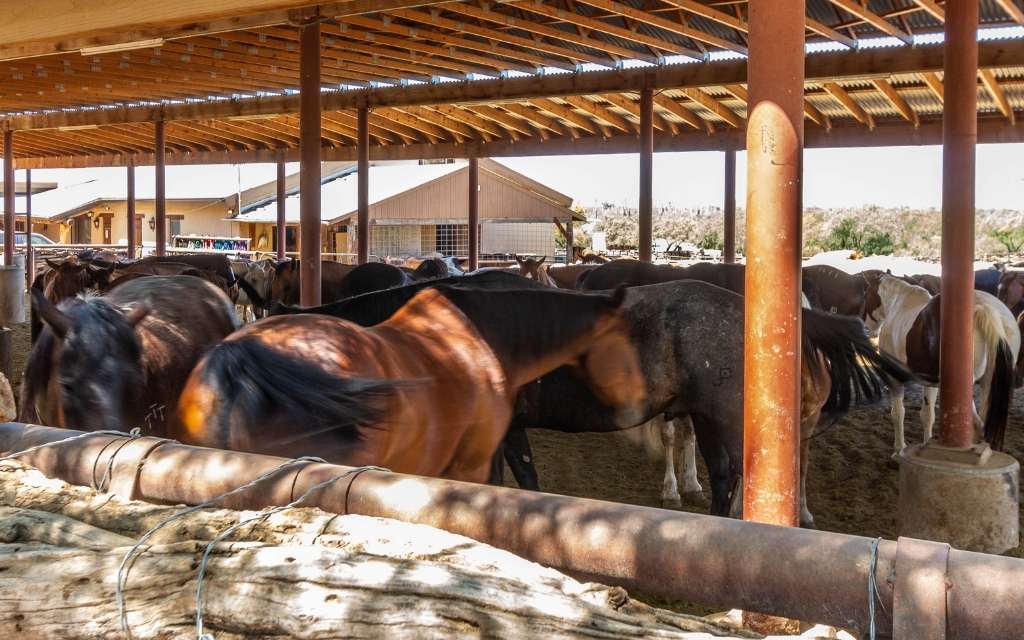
pixel 122 46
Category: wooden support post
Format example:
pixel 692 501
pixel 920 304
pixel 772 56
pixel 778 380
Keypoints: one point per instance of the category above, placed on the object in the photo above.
pixel 729 207
pixel 160 201
pixel 9 189
pixel 771 361
pixel 474 214
pixel 132 221
pixel 645 218
pixel 363 185
pixel 282 221
pixel 30 256
pixel 309 169
pixel 959 135
pixel 569 242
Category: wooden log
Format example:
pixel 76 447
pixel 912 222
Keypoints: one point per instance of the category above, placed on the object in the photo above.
pixel 300 573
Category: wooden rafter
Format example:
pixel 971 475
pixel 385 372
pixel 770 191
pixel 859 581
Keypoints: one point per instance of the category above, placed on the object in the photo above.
pixel 566 114
pixel 715 106
pixel 988 78
pixel 872 18
pixel 932 80
pixel 1011 9
pixel 601 113
pixel 535 117
pixel 433 132
pixel 897 101
pixel 932 8
pixel 812 112
pixel 632 107
pixel 851 105
pixel 488 129
pixel 681 112
pixel 828 32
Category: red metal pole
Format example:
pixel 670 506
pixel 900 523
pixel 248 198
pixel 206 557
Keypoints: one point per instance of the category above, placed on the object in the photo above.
pixel 771 363
pixel 131 211
pixel 959 135
pixel 644 235
pixel 309 168
pixel 363 185
pixel 9 189
pixel 474 214
pixel 282 222
pixel 730 206
pixel 30 258
pixel 160 204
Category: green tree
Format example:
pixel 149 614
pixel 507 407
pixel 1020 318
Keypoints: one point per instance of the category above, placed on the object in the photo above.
pixel 711 240
pixel 1012 239
pixel 844 235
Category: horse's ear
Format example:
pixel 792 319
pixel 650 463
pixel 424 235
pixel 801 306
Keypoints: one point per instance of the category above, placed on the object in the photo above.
pixel 135 314
pixel 541 261
pixel 889 271
pixel 53 264
pixel 518 259
pixel 615 301
pixel 59 323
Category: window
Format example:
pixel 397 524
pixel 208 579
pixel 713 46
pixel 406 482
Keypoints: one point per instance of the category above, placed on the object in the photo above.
pixel 452 239
pixel 174 226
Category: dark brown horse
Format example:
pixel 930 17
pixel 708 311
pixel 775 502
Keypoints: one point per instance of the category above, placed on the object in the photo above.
pixel 120 361
pixel 837 291
pixel 314 384
pixel 284 284
pixel 1011 291
pixel 60 280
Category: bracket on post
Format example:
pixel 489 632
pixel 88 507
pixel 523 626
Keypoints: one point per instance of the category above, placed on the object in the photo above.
pixel 919 590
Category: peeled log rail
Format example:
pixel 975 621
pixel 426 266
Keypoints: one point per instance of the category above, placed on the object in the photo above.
pixel 302 573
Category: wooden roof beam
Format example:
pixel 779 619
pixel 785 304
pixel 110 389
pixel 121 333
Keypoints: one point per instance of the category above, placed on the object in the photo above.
pixel 855 8
pixel 490 130
pixel 566 114
pixel 667 25
pixel 715 106
pixel 601 113
pixel 851 105
pixel 536 118
pixel 932 80
pixel 681 112
pixel 988 78
pixel 1012 10
pixel 433 132
pixel 633 108
pixel 516 127
pixel 812 112
pixel 932 8
pixel 829 33
pixel 897 101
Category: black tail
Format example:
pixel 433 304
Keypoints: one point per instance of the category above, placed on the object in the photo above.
pixel 999 396
pixel 858 371
pixel 254 297
pixel 259 385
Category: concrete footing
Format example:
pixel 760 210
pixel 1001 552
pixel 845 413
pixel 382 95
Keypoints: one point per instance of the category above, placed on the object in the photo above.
pixel 968 499
pixel 12 292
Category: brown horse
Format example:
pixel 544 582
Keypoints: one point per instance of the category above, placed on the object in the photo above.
pixel 534 269
pixel 301 384
pixel 120 361
pixel 837 291
pixel 1011 291
pixel 60 280
pixel 284 284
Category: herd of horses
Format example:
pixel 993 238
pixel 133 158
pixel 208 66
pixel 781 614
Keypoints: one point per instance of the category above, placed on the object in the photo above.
pixel 429 370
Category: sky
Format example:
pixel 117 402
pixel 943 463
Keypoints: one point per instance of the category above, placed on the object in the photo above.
pixel 893 177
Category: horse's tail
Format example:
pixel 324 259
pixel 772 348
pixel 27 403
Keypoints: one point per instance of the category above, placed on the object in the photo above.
pixel 858 371
pixel 257 385
pixel 999 396
pixel 250 291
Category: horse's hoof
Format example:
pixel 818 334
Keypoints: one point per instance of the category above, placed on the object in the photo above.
pixel 696 498
pixel 671 502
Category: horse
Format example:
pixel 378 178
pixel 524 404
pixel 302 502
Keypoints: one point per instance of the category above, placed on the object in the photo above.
pixel 567 276
pixel 586 256
pixel 435 268
pixel 1011 291
pixel 62 280
pixel 987 280
pixel 372 276
pixel 836 291
pixel 906 319
pixel 257 274
pixel 535 269
pixel 429 391
pixel 284 284
pixel 689 336
pixel 119 361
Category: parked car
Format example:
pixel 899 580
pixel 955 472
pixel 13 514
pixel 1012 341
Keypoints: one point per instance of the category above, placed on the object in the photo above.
pixel 19 239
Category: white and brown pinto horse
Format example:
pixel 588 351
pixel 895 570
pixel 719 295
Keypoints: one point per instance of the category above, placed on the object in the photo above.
pixel 906 319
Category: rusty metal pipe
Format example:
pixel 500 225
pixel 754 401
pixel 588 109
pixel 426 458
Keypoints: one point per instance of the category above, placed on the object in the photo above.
pixel 130 209
pixel 282 219
pixel 309 167
pixel 805 574
pixel 959 135
pixel 363 185
pixel 9 189
pixel 160 188
pixel 30 254
pixel 645 220
pixel 474 214
pixel 771 358
pixel 729 207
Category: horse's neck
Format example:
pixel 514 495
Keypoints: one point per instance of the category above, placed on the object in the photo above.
pixel 904 298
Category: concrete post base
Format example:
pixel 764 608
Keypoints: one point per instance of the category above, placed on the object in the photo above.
pixel 968 499
pixel 12 292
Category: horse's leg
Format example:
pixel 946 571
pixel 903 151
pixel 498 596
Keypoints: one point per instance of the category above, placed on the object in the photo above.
pixel 897 412
pixel 669 487
pixel 691 485
pixel 928 411
pixel 519 457
pixel 497 476
pixel 721 474
pixel 806 431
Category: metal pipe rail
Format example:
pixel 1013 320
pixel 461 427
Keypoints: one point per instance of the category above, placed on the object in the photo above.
pixel 808 575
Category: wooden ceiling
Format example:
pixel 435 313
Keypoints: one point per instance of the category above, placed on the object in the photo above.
pixel 233 89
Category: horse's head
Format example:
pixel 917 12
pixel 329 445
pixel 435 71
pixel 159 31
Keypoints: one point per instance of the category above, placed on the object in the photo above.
pixel 612 367
pixel 68 278
pixel 873 311
pixel 97 357
pixel 530 267
pixel 281 282
pixel 1011 289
